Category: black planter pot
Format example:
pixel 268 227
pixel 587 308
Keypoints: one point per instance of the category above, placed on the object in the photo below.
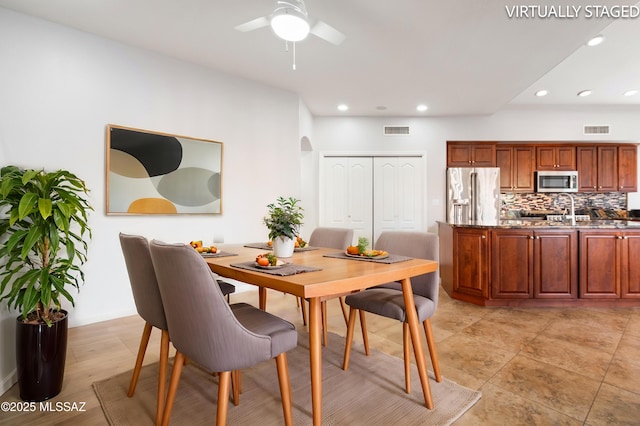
pixel 41 352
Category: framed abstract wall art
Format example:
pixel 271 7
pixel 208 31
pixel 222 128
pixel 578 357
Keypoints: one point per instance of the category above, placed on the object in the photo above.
pixel 159 173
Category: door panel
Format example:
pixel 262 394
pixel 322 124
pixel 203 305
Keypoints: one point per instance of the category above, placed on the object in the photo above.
pixel 372 194
pixel 346 194
pixel 398 194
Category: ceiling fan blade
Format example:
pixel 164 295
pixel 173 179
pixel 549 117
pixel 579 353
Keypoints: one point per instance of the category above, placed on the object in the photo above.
pixel 253 24
pixel 328 33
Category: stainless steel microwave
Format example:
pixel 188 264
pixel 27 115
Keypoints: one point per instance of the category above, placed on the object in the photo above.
pixel 556 181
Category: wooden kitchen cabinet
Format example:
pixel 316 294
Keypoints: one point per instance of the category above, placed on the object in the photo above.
pixel 627 168
pixel 555 274
pixel 608 264
pixel 540 264
pixel 555 158
pixel 511 264
pixel 471 154
pixel 471 263
pixel 516 168
pixel 587 166
pixel 597 168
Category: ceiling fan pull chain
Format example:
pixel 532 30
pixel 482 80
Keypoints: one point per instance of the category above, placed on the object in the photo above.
pixel 294 56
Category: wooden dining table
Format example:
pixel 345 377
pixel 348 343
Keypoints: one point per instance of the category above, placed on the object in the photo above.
pixel 335 277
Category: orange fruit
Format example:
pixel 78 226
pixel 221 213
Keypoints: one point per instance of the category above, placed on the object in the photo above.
pixel 262 261
pixel 353 250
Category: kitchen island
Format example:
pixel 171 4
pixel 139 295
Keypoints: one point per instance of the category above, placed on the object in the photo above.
pixel 542 263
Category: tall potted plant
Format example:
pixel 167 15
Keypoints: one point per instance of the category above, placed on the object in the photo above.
pixel 43 225
pixel 283 220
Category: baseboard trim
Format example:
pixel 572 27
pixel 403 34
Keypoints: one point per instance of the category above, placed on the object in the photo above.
pixel 8 381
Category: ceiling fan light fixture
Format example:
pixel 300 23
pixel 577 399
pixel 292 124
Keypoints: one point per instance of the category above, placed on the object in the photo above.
pixel 290 24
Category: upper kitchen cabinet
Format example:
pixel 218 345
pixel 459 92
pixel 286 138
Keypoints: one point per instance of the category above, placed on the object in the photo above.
pixel 627 168
pixel 471 154
pixel 516 164
pixel 555 158
pixel 607 168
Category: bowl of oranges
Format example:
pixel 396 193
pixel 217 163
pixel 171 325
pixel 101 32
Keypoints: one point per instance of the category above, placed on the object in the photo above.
pixel 202 249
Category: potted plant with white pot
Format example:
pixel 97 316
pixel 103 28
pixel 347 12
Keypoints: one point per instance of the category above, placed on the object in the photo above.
pixel 283 220
pixel 44 234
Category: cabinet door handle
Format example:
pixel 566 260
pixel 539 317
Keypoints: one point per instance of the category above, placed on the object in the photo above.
pixel 484 237
pixel 620 237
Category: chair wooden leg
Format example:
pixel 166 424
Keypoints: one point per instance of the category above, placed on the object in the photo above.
pixel 235 387
pixel 343 306
pixel 428 332
pixel 223 398
pixel 349 338
pixel 285 387
pixel 304 311
pixel 178 362
pixel 325 333
pixel 365 336
pixel 144 341
pixel 407 356
pixel 162 374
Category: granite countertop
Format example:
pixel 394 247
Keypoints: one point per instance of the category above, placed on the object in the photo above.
pixel 529 223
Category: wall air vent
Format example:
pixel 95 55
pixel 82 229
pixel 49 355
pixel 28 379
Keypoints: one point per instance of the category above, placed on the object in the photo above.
pixel 597 130
pixel 396 130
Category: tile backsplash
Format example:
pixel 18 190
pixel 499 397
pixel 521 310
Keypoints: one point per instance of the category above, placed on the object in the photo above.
pixel 558 202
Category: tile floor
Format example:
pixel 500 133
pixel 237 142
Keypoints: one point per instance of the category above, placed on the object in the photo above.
pixel 546 366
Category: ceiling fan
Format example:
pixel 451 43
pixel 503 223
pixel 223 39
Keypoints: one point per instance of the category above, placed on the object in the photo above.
pixel 290 21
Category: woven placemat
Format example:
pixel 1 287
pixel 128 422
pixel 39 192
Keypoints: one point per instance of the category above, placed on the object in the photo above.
pixel 265 246
pixel 218 254
pixel 284 270
pixel 392 258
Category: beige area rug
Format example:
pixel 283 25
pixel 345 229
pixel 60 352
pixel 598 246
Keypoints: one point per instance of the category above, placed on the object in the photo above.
pixel 370 392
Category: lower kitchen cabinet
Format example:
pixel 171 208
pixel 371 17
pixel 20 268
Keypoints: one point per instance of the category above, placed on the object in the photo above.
pixel 540 264
pixel 609 268
pixel 545 266
pixel 471 262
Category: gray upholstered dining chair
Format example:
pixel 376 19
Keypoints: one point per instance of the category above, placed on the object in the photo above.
pixel 148 301
pixel 212 333
pixel 337 238
pixel 387 300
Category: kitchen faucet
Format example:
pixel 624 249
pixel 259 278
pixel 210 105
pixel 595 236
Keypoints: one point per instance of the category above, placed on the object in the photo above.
pixel 573 208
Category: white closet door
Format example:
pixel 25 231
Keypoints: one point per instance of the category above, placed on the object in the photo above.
pixel 398 194
pixel 346 194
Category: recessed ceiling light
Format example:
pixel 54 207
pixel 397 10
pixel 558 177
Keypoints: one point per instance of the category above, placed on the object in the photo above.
pixel 584 93
pixel 631 93
pixel 595 41
pixel 540 93
pixel 343 107
pixel 422 108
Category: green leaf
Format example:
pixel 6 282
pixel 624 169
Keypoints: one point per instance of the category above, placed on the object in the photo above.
pixel 44 205
pixel 27 204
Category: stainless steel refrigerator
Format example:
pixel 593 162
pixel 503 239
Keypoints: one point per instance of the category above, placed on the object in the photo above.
pixel 473 195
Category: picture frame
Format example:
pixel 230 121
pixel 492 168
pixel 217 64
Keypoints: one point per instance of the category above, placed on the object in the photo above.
pixel 155 173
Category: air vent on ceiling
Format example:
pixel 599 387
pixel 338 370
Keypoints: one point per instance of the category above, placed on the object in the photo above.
pixel 597 130
pixel 396 130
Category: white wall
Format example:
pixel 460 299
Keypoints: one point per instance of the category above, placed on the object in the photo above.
pixel 60 88
pixel 365 134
